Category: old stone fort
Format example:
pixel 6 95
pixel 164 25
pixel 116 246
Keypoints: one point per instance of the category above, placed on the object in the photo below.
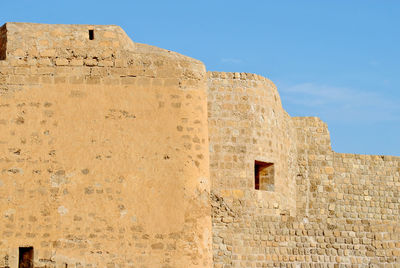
pixel 120 154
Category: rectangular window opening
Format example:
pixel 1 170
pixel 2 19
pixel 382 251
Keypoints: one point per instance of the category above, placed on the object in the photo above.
pixel 91 34
pixel 25 257
pixel 264 176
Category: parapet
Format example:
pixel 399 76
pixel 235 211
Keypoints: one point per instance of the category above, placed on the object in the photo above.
pixel 87 54
pixel 34 40
pixel 236 75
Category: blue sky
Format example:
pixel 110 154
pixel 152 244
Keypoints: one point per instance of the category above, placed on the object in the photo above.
pixel 339 60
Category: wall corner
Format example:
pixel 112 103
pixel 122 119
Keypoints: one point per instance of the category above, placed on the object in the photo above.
pixel 3 42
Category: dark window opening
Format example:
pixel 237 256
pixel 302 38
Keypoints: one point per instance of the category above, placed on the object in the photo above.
pixel 25 257
pixel 264 176
pixel 91 34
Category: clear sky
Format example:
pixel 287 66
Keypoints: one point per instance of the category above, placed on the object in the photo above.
pixel 339 60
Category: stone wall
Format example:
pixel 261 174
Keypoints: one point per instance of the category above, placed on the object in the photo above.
pixel 108 158
pixel 247 123
pixel 352 201
pixel 104 151
pixel 347 208
pixel 68 45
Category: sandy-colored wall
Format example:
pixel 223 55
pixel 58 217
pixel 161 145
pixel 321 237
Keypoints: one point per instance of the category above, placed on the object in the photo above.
pixel 352 202
pixel 104 161
pixel 347 212
pixel 104 152
pixel 247 123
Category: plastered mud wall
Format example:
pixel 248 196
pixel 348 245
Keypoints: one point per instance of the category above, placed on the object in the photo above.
pixel 104 151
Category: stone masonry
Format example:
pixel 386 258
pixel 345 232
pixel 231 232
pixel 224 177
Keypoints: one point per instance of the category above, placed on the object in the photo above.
pixel 120 154
pixel 104 151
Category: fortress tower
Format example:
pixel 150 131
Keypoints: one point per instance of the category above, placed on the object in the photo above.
pixel 104 150
pixel 119 154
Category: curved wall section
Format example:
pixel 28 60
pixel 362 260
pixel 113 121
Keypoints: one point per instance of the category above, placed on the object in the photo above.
pixel 104 153
pixel 247 123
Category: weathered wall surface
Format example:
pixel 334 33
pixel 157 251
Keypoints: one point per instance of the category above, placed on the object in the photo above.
pixel 104 151
pixel 104 161
pixel 347 208
pixel 247 123
pixel 351 209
